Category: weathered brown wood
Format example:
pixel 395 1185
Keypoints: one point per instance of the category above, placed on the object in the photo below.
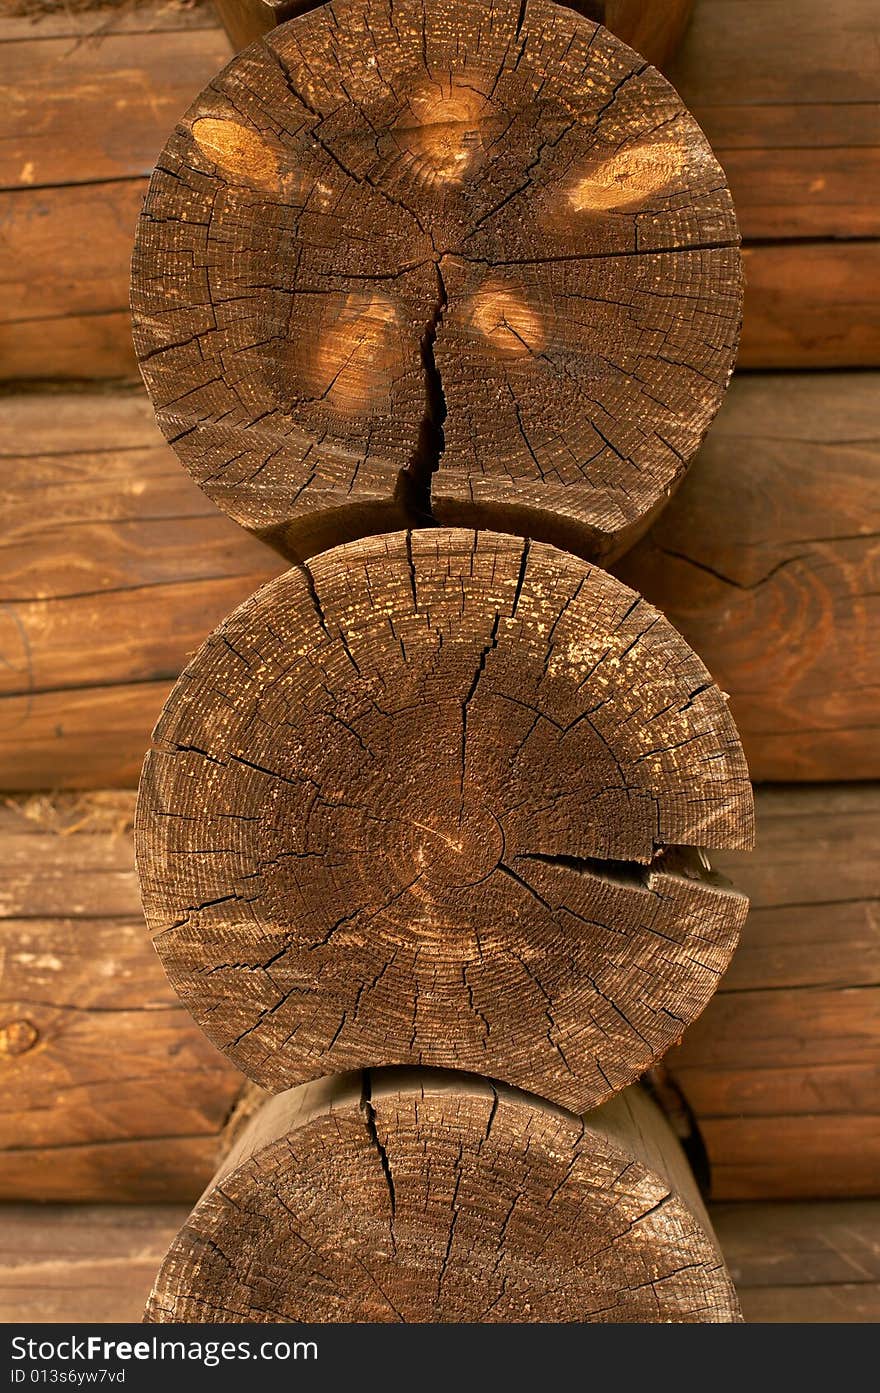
pixel 803 1262
pixel 799 158
pixel 654 28
pixel 88 22
pixel 812 304
pixel 91 1264
pixel 92 499
pixel 105 106
pixel 430 799
pixel 423 1196
pixel 368 293
pixel 107 1091
pixel 114 567
pixel 777 1120
pixel 771 574
pixel 781 1071
pixel 63 286
pixel 794 1263
pixel 245 21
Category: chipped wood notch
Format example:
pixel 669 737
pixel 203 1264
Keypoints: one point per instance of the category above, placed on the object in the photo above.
pixel 452 264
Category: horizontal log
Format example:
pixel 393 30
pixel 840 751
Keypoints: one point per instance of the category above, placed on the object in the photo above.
pixel 89 1264
pixel 811 305
pixel 771 572
pixel 115 567
pixel 803 1263
pixel 89 20
pixel 791 1263
pixel 781 1070
pixel 106 533
pixel 108 1091
pixel 106 105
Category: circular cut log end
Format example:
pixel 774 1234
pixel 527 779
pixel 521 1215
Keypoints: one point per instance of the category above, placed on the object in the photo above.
pixel 398 263
pixel 434 799
pixel 436 1198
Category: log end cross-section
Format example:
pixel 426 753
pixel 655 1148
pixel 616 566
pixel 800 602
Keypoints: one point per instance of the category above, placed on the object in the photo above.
pixel 431 1197
pixel 440 798
pixel 471 262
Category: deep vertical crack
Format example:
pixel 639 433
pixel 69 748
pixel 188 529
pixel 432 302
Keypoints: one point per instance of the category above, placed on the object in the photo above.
pixel 414 481
pixel 370 1117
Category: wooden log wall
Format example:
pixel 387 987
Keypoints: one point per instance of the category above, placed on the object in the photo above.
pixel 776 1124
pixel 798 154
pixel 792 1262
pixel 782 606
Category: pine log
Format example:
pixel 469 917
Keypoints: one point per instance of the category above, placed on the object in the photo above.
pixel 803 1263
pixel 89 1264
pixel 482 274
pixel 432 799
pixel 773 576
pixel 433 1197
pixel 653 27
pixel 800 159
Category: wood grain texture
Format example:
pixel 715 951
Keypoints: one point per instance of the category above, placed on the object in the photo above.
pixel 85 1264
pixel 422 1196
pixel 654 28
pixel 487 273
pixel 799 156
pixel 803 1263
pixel 813 305
pixel 106 105
pixel 782 1070
pixel 772 573
pixel 777 1123
pixel 426 800
pixel 799 153
pixel 114 568
pixel 93 500
pixel 107 1091
pixel 794 1263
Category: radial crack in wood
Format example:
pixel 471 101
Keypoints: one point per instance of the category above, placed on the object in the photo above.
pixel 417 1195
pixel 414 803
pixel 476 264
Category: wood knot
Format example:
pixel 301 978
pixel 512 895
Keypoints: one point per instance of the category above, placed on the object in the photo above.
pixel 239 150
pixel 628 177
pixel 358 353
pixel 445 134
pixel 506 319
pixel 17 1037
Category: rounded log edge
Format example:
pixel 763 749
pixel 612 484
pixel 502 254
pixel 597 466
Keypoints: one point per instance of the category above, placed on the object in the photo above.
pixel 441 798
pixel 418 1195
pixel 485 274
pixel 654 28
